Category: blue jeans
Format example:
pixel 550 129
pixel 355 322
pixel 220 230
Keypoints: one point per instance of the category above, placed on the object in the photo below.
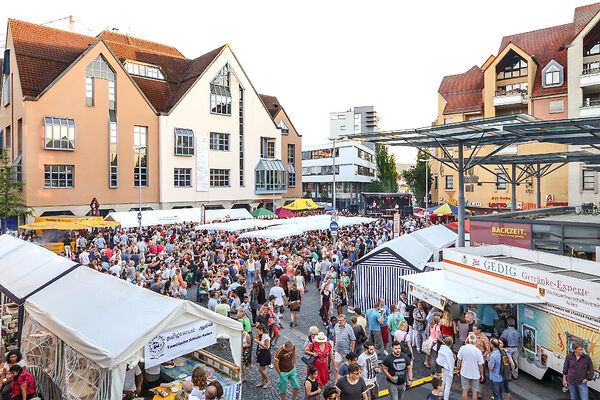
pixel 251 277
pixel 578 392
pixel 497 390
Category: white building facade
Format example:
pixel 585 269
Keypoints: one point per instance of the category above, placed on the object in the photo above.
pixel 213 140
pixel 355 168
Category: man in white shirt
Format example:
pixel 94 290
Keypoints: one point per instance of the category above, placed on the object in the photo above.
pixel 470 366
pixel 279 294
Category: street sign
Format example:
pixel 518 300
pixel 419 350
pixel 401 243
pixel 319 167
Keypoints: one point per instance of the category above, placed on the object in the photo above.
pixel 139 216
pixel 333 226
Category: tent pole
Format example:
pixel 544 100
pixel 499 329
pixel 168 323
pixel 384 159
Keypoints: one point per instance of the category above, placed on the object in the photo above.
pixel 538 195
pixel 461 196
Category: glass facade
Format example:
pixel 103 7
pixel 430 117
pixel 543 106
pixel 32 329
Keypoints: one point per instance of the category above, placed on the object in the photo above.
pixel 140 169
pixel 220 92
pixel 270 176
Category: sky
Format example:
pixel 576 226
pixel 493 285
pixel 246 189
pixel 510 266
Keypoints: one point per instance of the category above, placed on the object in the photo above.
pixel 323 56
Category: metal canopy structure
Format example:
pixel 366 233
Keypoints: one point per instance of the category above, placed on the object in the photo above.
pixel 499 131
pixel 526 166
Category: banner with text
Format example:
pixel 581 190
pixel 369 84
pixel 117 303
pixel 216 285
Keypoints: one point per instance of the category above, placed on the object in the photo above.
pixel 179 341
pixel 483 232
pixel 202 172
pixel 427 296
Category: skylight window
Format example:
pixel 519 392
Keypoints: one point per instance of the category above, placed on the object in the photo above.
pixel 147 71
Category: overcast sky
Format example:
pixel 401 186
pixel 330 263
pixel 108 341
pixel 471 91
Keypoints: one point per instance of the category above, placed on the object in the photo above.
pixel 322 56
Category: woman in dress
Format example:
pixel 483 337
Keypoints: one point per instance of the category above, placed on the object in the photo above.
pixel 300 282
pixel 340 297
pixel 311 385
pixel 263 354
pixel 325 302
pixel 295 304
pixel 321 350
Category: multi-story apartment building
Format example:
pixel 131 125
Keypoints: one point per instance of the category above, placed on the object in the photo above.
pixel 355 168
pixel 583 77
pixel 86 117
pixel 291 147
pixel 544 73
pixel 362 119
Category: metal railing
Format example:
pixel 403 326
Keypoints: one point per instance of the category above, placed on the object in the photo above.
pixel 522 92
pixel 590 71
pixel 590 103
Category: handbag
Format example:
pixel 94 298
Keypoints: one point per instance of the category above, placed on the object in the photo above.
pixel 309 360
pixel 427 345
pixel 295 306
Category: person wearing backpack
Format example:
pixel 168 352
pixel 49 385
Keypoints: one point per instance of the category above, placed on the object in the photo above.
pixel 507 359
pixel 398 371
pixel 403 338
pixel 497 370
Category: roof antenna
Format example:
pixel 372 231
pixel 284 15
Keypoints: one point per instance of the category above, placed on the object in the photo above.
pixel 71 24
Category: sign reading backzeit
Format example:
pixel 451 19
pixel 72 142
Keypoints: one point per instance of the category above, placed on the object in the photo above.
pixel 565 291
pixel 179 341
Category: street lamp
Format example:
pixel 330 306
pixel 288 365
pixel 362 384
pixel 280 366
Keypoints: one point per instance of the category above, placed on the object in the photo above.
pixel 138 148
pixel 333 217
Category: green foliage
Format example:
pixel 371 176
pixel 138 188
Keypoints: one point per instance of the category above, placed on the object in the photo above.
pixel 415 177
pixel 10 202
pixel 324 195
pixel 387 176
pixel 308 194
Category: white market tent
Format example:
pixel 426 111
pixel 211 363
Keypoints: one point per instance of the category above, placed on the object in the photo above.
pixel 299 225
pixel 80 332
pixel 25 268
pixel 129 219
pixel 239 225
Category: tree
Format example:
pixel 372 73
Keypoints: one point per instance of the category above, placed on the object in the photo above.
pixel 308 194
pixel 324 195
pixel 415 177
pixel 10 202
pixel 387 176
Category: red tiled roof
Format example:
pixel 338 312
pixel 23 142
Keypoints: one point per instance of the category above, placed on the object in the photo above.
pixel 43 53
pixel 463 92
pixel 583 15
pixel 544 45
pixel 140 43
pixel 272 104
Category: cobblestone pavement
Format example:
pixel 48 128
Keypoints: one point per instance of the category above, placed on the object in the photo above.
pixel 309 315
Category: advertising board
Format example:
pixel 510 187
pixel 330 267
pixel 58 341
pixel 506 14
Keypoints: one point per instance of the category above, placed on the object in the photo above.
pixel 484 232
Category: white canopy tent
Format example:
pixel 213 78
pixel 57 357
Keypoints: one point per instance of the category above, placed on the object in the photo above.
pixel 25 267
pixel 239 225
pixel 297 226
pixel 100 321
pixel 463 289
pixel 129 219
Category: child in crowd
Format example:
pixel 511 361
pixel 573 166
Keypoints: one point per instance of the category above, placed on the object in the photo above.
pixel 351 357
pixel 276 327
pixel 438 386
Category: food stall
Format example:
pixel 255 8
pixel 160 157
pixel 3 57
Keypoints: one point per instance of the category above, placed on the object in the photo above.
pixel 81 333
pixel 557 298
pixel 52 230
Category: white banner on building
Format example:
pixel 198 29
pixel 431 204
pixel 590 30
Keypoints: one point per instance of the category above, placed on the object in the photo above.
pixel 202 172
pixel 396 225
pixel 179 341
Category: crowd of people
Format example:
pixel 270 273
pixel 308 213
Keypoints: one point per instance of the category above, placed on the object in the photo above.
pixel 258 281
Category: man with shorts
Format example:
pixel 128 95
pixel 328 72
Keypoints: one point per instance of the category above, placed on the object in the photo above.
pixel 343 343
pixel 470 367
pixel 285 365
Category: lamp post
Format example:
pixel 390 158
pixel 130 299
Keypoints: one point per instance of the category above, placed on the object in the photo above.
pixel 333 217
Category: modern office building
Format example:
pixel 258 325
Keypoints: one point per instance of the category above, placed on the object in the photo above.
pixel 362 119
pixel 355 168
pixel 549 73
pixel 86 117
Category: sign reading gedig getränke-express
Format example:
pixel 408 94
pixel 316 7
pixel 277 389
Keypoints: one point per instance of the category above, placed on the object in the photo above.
pixel 178 341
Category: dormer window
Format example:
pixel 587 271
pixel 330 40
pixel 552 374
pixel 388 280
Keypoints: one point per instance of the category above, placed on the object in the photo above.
pixel 553 74
pixel 220 92
pixel 514 67
pixel 284 128
pixel 592 47
pixel 144 70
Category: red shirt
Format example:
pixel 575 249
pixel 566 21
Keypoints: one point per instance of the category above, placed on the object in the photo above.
pixel 24 377
pixel 447 330
pixel 284 280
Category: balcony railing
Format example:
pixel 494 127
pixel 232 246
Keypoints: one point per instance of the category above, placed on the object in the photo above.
pixel 590 71
pixel 590 103
pixel 511 92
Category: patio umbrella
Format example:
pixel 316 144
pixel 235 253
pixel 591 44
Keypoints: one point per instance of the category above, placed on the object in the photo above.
pixel 261 213
pixel 303 205
pixel 284 213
